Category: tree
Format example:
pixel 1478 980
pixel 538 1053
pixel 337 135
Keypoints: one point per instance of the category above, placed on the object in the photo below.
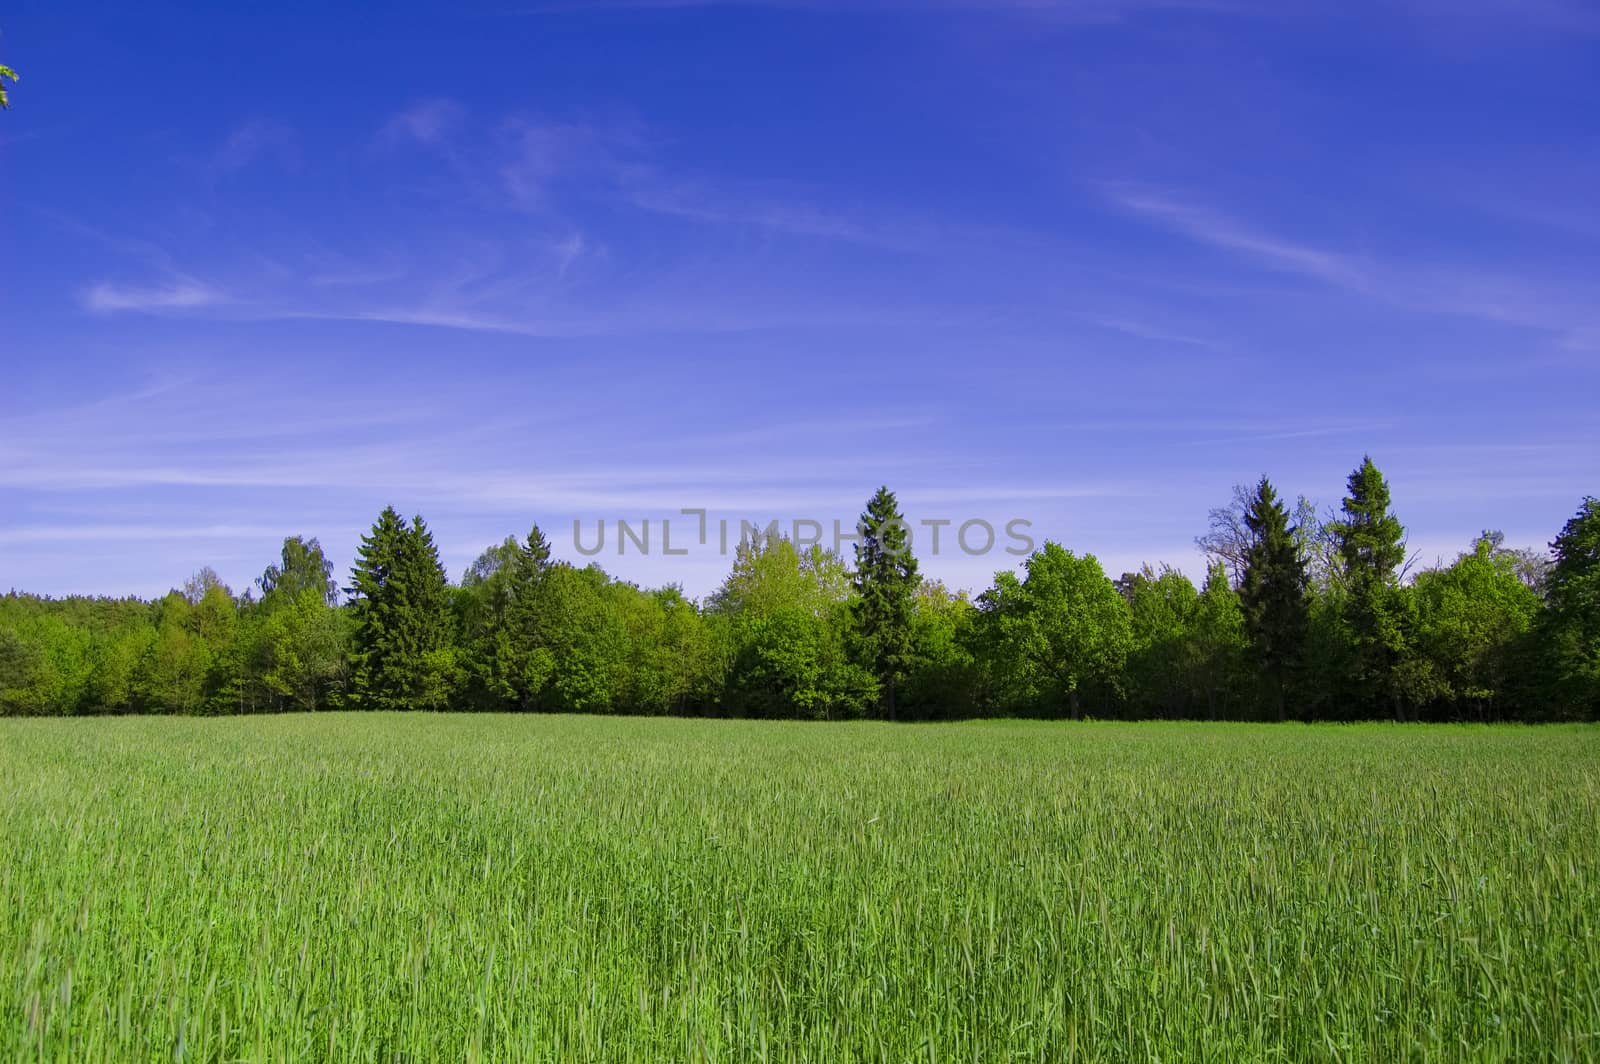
pixel 1226 541
pixel 45 666
pixel 303 567
pixel 1228 538
pixel 1531 565
pixel 579 662
pixel 215 622
pixel 503 621
pixel 1219 639
pixel 885 582
pixel 940 682
pixel 1272 594
pixel 304 648
pixel 1471 619
pixel 1163 664
pixel 203 581
pixel 670 664
pixel 403 656
pixel 1319 546
pixel 6 74
pixel 172 676
pixel 784 616
pixel 1061 629
pixel 1571 626
pixel 115 656
pixel 1372 548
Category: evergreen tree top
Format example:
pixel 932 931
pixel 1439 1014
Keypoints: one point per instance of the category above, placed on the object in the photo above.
pixel 1371 539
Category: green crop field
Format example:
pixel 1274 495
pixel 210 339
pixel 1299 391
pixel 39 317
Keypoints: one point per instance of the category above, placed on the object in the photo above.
pixel 421 887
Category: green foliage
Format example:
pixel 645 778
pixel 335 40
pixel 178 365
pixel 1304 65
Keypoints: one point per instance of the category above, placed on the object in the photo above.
pixel 885 583
pixel 1061 630
pixel 1378 611
pixel 1370 538
pixel 502 621
pixel 403 655
pixel 1220 644
pixel 45 667
pixel 6 74
pixel 942 679
pixel 1323 679
pixel 787 616
pixel 303 567
pixel 305 651
pixel 671 663
pixel 1272 593
pixel 1472 618
pixel 1164 664
pixel 177 663
pixel 1571 627
pixel 1321 614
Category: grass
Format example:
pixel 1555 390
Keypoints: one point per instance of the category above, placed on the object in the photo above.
pixel 353 887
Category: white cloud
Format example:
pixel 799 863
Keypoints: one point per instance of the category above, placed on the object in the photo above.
pixel 428 122
pixel 255 140
pixel 1548 304
pixel 136 533
pixel 181 294
pixel 1210 227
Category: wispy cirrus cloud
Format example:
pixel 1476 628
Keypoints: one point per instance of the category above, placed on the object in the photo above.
pixel 1207 226
pixel 794 214
pixel 257 140
pixel 178 294
pixel 538 157
pixel 426 122
pixel 1556 305
pixel 544 166
pixel 90 533
pixel 532 269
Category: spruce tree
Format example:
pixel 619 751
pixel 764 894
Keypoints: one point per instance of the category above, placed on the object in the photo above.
pixel 524 641
pixel 885 583
pixel 1371 545
pixel 1273 591
pixel 401 601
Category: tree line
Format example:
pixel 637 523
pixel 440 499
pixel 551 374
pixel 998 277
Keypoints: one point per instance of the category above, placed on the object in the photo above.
pixel 1301 615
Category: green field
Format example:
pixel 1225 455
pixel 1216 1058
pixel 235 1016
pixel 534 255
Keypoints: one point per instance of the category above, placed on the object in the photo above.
pixel 426 887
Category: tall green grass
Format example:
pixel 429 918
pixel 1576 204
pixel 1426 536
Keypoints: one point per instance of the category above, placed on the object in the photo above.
pixel 417 887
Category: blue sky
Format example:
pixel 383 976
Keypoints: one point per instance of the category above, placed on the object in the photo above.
pixel 1087 263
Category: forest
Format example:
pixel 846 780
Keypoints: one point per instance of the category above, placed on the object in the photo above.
pixel 1301 616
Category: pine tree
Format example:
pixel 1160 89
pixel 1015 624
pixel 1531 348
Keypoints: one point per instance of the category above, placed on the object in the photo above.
pixel 885 584
pixel 1371 544
pixel 403 654
pixel 1273 591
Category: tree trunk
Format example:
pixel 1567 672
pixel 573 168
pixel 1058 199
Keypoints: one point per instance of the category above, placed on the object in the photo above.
pixel 891 702
pixel 1072 702
pixel 1283 712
